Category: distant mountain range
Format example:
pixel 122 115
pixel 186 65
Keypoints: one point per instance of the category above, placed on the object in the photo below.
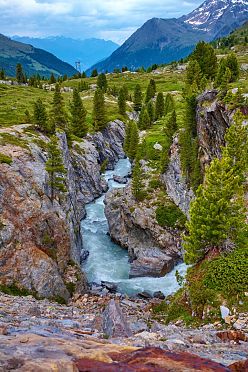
pixel 164 40
pixel 33 60
pixel 88 51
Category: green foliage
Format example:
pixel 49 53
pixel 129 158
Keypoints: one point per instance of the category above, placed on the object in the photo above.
pixel 217 215
pixel 122 101
pixel 150 91
pixel 78 123
pixel 170 216
pixel 133 141
pixel 144 119
pixel 40 117
pixel 137 98
pixel 58 117
pixel 102 82
pixel 5 159
pixel 14 290
pixel 171 124
pixel 204 54
pixel 228 71
pixel 94 73
pixel 55 168
pixel 104 166
pixel 52 79
pixel 159 106
pixel 169 104
pixel 99 110
pixel 151 111
pixel 20 76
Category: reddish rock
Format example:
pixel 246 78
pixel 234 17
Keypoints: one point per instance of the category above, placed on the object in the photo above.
pixel 232 336
pixel 241 366
pixel 151 360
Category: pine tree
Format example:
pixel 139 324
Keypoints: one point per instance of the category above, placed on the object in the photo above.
pixel 137 98
pixel 159 106
pixel 144 119
pixel 102 82
pixel 52 79
pixel 2 74
pixel 204 54
pixel 99 110
pixel 171 124
pixel 125 89
pixel 150 91
pixel 58 117
pixel 40 116
pixel 122 101
pixel 151 111
pixel 217 215
pixel 134 141
pixel 55 168
pixel 20 77
pixel 225 81
pixel 233 65
pixel 193 73
pixel 78 116
pixel 169 104
pixel 94 73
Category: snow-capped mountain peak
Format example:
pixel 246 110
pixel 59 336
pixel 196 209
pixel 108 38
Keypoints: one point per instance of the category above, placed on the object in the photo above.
pixel 211 12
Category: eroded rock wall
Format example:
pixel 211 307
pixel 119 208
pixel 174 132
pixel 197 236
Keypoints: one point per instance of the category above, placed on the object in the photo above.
pixel 40 241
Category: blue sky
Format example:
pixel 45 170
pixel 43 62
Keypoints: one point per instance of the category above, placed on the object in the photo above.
pixel 108 19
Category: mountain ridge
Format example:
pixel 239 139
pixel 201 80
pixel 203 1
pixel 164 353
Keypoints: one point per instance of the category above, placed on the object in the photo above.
pixel 173 39
pixel 34 60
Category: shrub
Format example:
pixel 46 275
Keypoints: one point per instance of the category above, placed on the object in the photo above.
pixel 5 159
pixel 169 216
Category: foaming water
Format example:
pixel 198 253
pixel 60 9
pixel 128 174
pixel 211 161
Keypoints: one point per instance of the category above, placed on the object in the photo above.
pixel 107 261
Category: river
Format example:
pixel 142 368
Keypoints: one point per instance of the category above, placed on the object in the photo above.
pixel 107 261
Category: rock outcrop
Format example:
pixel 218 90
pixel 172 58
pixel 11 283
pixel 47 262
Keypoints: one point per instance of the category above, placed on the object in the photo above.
pixel 212 119
pixel 40 241
pixel 153 250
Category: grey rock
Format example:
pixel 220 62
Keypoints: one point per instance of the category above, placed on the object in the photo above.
pixel 119 179
pixel 224 311
pixel 111 287
pixel 114 322
pixel 159 295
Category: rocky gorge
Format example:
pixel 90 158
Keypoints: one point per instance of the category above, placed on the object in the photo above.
pixel 40 241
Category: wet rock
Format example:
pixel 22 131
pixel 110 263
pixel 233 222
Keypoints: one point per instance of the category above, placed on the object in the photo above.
pixel 119 179
pixel 159 295
pixel 145 295
pixel 114 322
pixel 151 262
pixel 84 255
pixel 111 287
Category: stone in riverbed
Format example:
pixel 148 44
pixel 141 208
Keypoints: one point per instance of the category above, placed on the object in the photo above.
pixel 114 322
pixel 159 295
pixel 119 179
pixel 151 262
pixel 111 287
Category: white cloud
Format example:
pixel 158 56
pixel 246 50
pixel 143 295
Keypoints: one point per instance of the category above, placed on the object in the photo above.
pixel 115 19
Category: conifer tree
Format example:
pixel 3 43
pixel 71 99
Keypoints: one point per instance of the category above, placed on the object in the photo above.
pixel 217 215
pixel 55 168
pixel 171 124
pixel 99 110
pixel 151 111
pixel 102 82
pixel 193 73
pixel 159 106
pixel 2 74
pixel 134 141
pixel 40 116
pixel 204 54
pixel 94 73
pixel 137 98
pixel 52 79
pixel 150 91
pixel 144 119
pixel 58 117
pixel 125 89
pixel 122 101
pixel 169 104
pixel 225 81
pixel 78 115
pixel 20 76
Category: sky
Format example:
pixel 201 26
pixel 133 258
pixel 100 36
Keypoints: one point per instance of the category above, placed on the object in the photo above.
pixel 108 19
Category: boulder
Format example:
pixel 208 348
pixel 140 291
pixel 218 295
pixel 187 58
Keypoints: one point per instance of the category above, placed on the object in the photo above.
pixel 111 287
pixel 114 322
pixel 159 295
pixel 119 179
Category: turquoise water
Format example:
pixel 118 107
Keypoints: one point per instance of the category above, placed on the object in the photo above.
pixel 107 261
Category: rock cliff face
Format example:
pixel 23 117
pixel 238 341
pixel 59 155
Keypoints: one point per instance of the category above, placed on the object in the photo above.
pixel 213 119
pixel 40 241
pixel 153 250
